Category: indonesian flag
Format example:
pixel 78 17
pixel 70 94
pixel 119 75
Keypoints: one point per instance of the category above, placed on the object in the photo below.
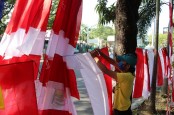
pixel 163 57
pixel 108 79
pixel 95 83
pixel 170 42
pixel 159 71
pixel 20 51
pixel 57 80
pixel 142 79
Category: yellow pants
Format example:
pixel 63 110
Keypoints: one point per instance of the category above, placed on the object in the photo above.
pixel 1 99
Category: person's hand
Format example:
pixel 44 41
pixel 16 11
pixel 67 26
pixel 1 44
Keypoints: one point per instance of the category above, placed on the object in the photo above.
pixel 96 59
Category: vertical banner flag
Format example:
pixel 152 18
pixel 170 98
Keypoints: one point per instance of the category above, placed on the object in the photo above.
pixel 142 79
pixel 108 79
pixel 95 84
pixel 1 8
pixel 170 47
pixel 57 81
pixel 21 45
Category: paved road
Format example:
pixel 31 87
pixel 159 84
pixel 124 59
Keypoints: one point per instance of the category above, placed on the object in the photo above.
pixel 83 106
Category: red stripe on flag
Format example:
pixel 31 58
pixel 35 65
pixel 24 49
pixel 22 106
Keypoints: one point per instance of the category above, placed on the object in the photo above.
pixel 159 73
pixel 139 79
pixel 108 79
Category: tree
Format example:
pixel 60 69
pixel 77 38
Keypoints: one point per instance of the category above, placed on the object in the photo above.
pixel 52 16
pixel 8 6
pixel 102 32
pixel 132 17
pixel 84 31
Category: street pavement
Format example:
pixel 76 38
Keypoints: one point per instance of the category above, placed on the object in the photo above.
pixel 83 106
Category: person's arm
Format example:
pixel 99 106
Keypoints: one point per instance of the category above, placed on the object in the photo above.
pixel 94 53
pixel 105 70
pixel 110 60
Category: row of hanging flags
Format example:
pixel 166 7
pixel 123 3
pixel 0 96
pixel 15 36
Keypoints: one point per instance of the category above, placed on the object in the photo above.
pixel 25 92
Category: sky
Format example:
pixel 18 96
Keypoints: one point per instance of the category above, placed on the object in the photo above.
pixel 90 17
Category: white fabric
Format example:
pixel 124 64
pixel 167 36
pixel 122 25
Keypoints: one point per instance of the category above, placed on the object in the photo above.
pixel 60 45
pixel 95 84
pixel 150 55
pixel 52 96
pixel 162 61
pixel 19 43
pixel 10 43
pixel 145 92
pixel 33 42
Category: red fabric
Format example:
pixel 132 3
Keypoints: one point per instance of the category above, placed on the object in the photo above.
pixel 159 73
pixel 108 79
pixel 68 19
pixel 25 15
pixel 18 89
pixel 148 73
pixel 139 79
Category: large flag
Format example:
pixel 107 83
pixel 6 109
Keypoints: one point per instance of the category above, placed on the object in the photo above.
pixel 24 35
pixel 22 44
pixel 108 80
pixel 1 8
pixel 95 83
pixel 57 79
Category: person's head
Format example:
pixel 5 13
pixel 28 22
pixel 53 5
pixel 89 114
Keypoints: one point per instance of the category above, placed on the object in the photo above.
pixel 127 62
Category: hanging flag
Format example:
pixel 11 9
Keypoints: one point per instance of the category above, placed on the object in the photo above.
pixel 58 80
pixel 108 79
pixel 20 50
pixel 1 8
pixel 24 35
pixel 159 71
pixel 95 84
pixel 142 79
pixel 170 42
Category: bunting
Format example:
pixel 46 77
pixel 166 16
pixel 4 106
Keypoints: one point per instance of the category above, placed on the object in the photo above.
pixel 57 79
pixel 20 52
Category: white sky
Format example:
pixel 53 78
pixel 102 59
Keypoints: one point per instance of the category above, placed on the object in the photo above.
pixel 90 17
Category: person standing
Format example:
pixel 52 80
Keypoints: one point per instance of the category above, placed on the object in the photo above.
pixel 124 80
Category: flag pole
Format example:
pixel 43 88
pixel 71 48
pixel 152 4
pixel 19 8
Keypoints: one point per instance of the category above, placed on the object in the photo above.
pixel 154 75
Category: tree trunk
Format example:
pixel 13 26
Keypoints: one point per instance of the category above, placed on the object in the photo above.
pixel 126 26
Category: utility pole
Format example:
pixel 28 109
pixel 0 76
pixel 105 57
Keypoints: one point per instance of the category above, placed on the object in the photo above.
pixel 154 75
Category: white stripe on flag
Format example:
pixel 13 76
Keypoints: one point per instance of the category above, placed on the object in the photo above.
pixel 95 84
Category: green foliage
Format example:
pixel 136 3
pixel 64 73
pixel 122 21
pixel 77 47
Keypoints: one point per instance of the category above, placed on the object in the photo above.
pixel 84 31
pixel 102 32
pixel 8 6
pixel 162 40
pixel 52 16
pixel 106 14
pixel 147 12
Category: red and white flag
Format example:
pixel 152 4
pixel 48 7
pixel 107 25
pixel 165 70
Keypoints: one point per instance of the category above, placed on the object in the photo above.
pixel 108 79
pixel 57 79
pixel 95 83
pixel 142 79
pixel 20 51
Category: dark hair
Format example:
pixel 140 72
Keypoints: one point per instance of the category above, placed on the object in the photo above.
pixel 132 70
